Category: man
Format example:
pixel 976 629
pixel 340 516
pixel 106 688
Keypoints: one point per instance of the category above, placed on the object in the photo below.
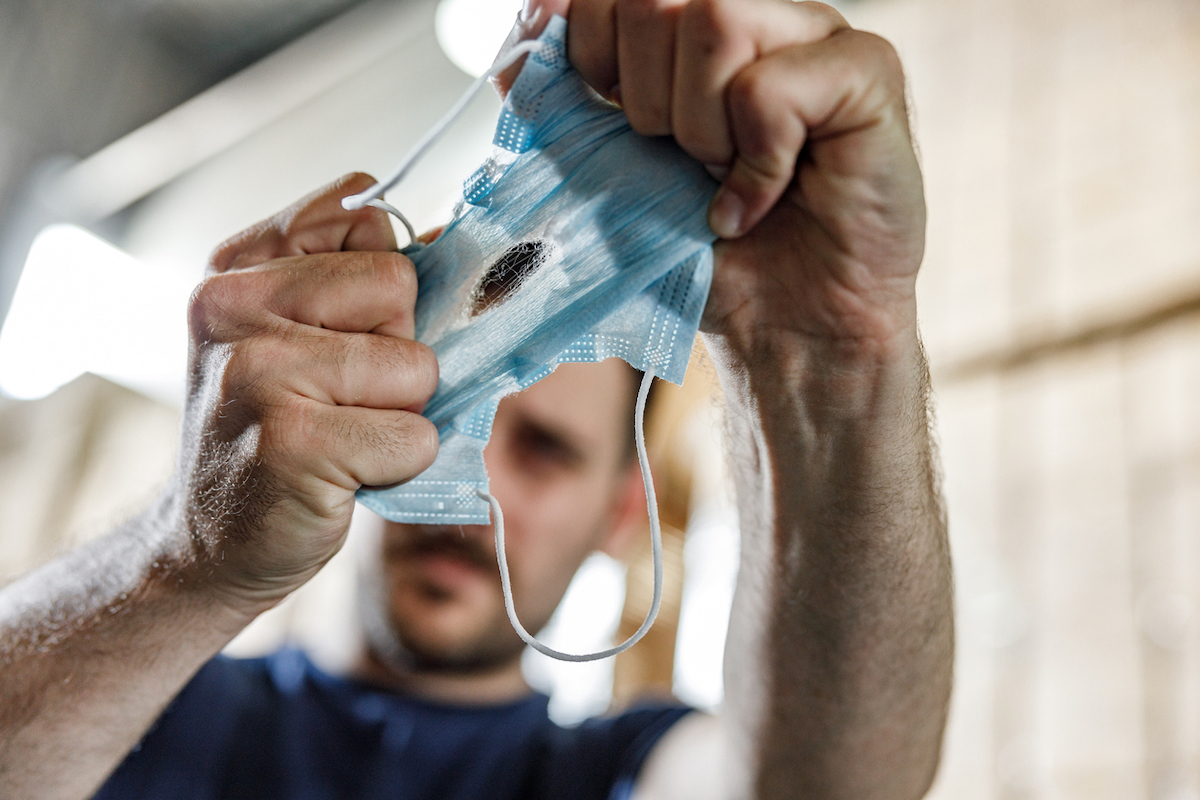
pixel 305 384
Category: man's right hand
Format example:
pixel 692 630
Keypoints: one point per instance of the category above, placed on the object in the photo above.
pixel 305 384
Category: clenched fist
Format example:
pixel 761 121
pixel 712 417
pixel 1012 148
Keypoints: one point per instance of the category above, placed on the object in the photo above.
pixel 305 384
pixel 821 210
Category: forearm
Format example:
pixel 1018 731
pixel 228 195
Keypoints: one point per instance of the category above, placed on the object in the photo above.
pixel 840 648
pixel 92 648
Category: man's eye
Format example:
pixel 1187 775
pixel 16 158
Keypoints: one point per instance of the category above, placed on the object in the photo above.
pixel 547 448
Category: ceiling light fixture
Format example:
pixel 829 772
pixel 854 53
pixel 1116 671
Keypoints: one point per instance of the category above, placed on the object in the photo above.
pixel 471 32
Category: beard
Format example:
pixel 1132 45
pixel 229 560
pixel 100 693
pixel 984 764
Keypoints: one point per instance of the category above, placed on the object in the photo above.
pixel 400 641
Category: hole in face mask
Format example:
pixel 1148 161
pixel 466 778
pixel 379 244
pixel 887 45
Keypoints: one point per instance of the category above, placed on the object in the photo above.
pixel 509 271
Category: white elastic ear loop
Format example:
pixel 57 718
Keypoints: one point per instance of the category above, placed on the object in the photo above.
pixel 383 205
pixel 655 549
pixel 372 196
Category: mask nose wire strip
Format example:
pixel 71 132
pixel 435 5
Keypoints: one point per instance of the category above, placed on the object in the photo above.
pixel 372 196
pixel 655 547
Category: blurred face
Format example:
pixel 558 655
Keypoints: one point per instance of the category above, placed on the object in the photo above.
pixel 557 464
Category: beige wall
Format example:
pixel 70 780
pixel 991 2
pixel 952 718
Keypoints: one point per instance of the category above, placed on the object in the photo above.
pixel 1061 146
pixel 75 464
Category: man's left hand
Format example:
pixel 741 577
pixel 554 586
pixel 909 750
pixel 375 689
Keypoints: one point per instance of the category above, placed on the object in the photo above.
pixel 821 210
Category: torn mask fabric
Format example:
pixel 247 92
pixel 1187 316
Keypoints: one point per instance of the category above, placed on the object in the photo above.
pixel 578 240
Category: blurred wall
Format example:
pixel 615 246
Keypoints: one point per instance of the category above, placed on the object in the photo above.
pixel 75 464
pixel 1060 303
pixel 1061 147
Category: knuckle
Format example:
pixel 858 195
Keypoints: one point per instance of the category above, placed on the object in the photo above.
pixel 213 305
pixel 226 252
pixel 708 21
pixel 203 312
pixel 222 257
pixel 293 428
pixel 288 226
pixel 888 59
pixel 751 92
pixel 396 450
pixel 874 64
pixel 421 366
pixel 228 306
pixel 422 440
pixel 245 370
pixel 704 143
pixel 871 53
pixel 258 243
pixel 768 138
pixel 292 223
pixel 347 355
pixel 354 182
pixel 826 12
pixel 396 275
pixel 412 364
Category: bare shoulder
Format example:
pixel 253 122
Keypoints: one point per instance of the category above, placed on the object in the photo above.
pixel 686 762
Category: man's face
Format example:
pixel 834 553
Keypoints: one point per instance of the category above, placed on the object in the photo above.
pixel 557 463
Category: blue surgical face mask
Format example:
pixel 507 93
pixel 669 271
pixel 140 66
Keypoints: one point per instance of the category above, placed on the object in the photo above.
pixel 579 240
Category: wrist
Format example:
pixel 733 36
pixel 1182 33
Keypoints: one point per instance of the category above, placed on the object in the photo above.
pixel 195 569
pixel 820 428
pixel 833 378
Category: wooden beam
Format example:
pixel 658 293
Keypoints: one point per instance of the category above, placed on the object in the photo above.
pixel 1043 346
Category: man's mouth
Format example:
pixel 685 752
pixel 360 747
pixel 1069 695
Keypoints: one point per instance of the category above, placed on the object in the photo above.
pixel 446 550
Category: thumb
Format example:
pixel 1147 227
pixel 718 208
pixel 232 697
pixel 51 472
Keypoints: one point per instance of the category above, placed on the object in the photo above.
pixel 314 224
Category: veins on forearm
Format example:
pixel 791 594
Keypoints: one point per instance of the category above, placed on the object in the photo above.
pixel 845 547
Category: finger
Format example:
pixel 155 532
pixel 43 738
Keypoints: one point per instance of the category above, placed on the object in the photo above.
pixel 842 96
pixel 717 39
pixel 592 43
pixel 351 446
pixel 529 25
pixel 430 236
pixel 646 62
pixel 314 224
pixel 350 292
pixel 360 369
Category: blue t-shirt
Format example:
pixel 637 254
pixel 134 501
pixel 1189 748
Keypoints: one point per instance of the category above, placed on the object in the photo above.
pixel 277 728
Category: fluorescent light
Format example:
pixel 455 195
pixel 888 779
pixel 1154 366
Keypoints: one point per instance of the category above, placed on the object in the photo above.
pixel 81 306
pixel 471 32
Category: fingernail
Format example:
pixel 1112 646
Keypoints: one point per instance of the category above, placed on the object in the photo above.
pixel 718 171
pixel 725 216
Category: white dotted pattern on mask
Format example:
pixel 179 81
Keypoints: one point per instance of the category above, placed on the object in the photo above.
pixel 513 133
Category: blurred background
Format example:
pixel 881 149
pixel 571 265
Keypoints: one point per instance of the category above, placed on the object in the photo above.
pixel 1060 302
